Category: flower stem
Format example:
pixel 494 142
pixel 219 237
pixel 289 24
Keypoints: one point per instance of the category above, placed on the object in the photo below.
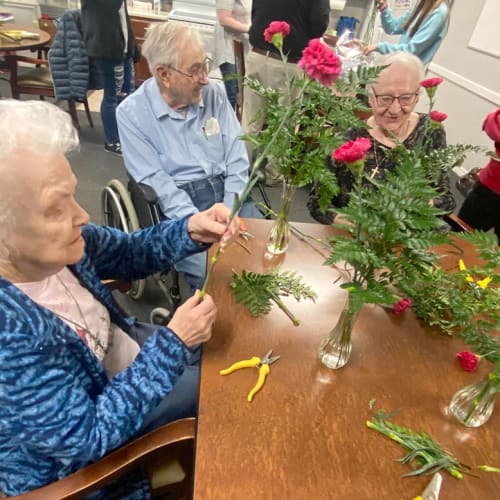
pixel 284 308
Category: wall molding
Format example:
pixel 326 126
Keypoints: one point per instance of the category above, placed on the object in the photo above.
pixel 465 83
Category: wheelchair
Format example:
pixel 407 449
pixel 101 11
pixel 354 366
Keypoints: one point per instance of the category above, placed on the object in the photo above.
pixel 131 208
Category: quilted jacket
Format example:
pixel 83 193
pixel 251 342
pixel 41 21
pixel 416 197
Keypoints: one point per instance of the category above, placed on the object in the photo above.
pixel 69 65
pixel 58 411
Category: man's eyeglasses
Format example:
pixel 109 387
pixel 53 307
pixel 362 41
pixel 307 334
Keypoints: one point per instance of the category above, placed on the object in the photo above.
pixel 384 101
pixel 198 70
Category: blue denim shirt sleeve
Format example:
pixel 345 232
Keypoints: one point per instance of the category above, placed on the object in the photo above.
pixel 164 148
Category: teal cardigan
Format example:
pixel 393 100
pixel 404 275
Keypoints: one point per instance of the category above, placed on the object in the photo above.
pixel 58 411
pixel 424 43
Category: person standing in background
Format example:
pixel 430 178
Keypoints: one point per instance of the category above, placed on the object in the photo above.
pixel 308 19
pixel 110 41
pixel 233 21
pixel 422 29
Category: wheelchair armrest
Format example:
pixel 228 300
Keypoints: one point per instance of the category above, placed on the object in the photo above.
pixel 148 192
pixel 457 224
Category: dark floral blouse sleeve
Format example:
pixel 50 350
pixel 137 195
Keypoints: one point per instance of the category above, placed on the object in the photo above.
pixel 445 201
pixel 377 163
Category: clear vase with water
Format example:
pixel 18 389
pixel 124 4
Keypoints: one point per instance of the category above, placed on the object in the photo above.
pixel 473 405
pixel 279 234
pixel 335 349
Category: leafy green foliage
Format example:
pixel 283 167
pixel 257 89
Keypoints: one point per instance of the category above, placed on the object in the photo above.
pixel 421 446
pixel 257 291
pixel 319 119
pixel 390 230
pixel 455 303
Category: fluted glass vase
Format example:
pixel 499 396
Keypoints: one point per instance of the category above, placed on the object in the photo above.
pixel 473 405
pixel 277 240
pixel 335 349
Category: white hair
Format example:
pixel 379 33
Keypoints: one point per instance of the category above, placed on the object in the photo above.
pixel 35 126
pixel 164 41
pixel 411 61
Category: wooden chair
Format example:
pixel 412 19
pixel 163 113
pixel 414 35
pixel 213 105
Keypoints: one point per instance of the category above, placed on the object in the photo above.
pixel 49 27
pixel 38 81
pixel 457 224
pixel 169 445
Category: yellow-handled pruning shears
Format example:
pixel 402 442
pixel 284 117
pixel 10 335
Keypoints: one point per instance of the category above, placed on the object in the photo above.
pixel 261 363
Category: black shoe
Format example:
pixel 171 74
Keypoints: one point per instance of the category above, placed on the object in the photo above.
pixel 113 148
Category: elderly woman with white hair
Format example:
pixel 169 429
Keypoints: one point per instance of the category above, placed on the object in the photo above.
pixel 78 378
pixel 392 99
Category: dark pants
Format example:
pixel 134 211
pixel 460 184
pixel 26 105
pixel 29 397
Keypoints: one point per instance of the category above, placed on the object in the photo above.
pixel 182 401
pixel 481 209
pixel 204 193
pixel 117 78
pixel 231 84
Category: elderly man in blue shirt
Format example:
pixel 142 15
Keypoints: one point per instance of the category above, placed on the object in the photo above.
pixel 180 135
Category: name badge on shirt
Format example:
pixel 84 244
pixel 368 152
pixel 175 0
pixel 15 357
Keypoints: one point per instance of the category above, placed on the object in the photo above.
pixel 211 127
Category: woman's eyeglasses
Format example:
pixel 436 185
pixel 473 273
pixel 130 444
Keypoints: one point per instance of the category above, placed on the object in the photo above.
pixel 197 71
pixel 384 101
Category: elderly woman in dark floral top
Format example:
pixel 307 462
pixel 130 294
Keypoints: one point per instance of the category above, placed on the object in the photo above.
pixel 392 99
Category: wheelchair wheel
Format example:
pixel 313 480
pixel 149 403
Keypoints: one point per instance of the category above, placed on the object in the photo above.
pixel 119 212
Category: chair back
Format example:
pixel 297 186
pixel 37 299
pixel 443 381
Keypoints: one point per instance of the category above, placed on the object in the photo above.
pixel 239 57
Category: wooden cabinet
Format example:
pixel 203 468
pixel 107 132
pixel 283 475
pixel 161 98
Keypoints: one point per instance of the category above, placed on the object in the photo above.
pixel 139 26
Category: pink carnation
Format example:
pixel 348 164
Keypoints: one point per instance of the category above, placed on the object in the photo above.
pixel 438 116
pixel 275 28
pixel 431 82
pixel 352 151
pixel 320 62
pixel 468 360
pixel 401 306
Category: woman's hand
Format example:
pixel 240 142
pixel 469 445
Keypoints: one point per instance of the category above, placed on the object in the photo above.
pixel 368 49
pixel 210 225
pixel 381 5
pixel 192 321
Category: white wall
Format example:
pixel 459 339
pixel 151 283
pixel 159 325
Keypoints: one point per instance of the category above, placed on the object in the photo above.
pixel 471 88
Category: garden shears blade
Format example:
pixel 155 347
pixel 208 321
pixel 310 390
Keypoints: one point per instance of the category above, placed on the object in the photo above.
pixel 255 362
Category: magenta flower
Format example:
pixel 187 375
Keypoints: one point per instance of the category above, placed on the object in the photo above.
pixel 468 360
pixel 438 116
pixel 352 151
pixel 275 33
pixel 320 62
pixel 429 83
pixel 401 306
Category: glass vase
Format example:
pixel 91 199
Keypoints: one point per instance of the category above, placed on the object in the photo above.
pixel 473 405
pixel 335 349
pixel 279 234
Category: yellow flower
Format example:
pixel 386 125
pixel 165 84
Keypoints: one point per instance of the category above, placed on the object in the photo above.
pixel 462 267
pixel 480 283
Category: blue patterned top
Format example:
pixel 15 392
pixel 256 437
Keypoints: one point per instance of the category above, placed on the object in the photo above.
pixel 58 411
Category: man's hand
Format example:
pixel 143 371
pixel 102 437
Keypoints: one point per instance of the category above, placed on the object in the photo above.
pixel 210 225
pixel 192 321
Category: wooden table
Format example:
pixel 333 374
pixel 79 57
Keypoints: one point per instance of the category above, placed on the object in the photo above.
pixel 304 435
pixel 7 46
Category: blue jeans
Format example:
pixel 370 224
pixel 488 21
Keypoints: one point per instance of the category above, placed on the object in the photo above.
pixel 228 69
pixel 117 78
pixel 182 401
pixel 204 193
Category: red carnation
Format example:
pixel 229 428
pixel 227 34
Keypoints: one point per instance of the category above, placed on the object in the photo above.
pixel 320 62
pixel 276 28
pixel 431 82
pixel 352 151
pixel 438 116
pixel 401 306
pixel 468 360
